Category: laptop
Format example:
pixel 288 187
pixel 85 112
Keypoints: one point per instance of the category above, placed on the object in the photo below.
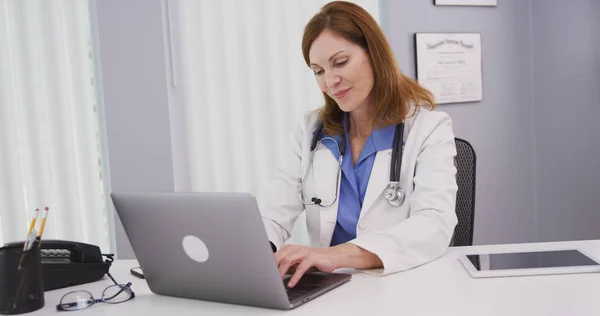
pixel 213 247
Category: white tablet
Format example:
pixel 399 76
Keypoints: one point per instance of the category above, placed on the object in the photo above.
pixel 489 265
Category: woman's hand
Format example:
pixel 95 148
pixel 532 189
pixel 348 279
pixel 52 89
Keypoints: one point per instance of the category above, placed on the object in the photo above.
pixel 300 259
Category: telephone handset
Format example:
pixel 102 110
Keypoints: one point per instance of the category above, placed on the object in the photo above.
pixel 73 251
pixel 67 263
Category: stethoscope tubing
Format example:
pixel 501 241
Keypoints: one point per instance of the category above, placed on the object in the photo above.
pixel 395 167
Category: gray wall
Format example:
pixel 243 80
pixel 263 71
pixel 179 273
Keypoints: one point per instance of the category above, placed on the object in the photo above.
pixel 134 82
pixel 500 127
pixel 566 72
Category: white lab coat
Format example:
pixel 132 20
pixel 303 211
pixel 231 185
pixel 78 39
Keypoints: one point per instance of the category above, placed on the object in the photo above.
pixel 403 237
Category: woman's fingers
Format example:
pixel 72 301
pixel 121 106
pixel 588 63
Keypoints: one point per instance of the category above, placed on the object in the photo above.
pixel 297 261
pixel 284 252
pixel 291 259
pixel 301 268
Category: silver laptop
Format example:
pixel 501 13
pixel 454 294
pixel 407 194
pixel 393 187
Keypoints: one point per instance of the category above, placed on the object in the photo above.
pixel 211 246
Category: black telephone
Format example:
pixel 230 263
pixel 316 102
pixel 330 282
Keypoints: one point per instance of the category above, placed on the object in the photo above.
pixel 67 263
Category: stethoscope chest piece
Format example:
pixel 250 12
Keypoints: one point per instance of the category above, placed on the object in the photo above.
pixel 394 194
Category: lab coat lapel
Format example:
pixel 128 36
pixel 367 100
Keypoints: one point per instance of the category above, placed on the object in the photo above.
pixel 325 173
pixel 379 179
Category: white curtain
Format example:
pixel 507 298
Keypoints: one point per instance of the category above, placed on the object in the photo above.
pixel 50 144
pixel 242 86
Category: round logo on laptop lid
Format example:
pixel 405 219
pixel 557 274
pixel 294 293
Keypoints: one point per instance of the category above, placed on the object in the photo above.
pixel 195 248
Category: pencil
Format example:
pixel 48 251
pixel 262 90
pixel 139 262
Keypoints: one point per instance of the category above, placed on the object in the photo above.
pixel 33 220
pixel 44 216
pixel 37 212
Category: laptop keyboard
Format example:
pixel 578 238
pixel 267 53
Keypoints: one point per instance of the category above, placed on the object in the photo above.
pixel 299 290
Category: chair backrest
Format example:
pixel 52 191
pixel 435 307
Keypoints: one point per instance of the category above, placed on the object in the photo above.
pixel 465 162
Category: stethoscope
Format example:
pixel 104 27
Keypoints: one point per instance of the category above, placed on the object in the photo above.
pixel 393 193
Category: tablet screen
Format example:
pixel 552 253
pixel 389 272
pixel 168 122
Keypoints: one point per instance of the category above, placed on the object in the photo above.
pixel 530 260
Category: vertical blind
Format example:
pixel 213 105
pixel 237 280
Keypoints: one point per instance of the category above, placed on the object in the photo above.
pixel 243 86
pixel 50 144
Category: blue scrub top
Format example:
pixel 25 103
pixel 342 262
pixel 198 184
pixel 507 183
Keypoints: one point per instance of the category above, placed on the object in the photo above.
pixel 354 180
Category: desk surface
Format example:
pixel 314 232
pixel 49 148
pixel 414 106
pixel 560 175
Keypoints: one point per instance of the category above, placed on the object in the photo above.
pixel 441 287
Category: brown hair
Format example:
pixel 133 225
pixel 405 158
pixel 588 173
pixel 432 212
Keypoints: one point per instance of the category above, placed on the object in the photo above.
pixel 393 92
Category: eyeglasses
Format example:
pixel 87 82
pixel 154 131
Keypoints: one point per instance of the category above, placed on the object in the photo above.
pixel 78 300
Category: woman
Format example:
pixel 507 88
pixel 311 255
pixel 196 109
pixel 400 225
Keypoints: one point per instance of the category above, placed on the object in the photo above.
pixel 349 220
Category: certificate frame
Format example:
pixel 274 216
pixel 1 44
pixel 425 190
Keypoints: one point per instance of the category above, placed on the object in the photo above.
pixel 483 3
pixel 450 65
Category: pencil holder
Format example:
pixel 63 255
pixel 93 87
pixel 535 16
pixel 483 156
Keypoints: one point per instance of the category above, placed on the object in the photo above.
pixel 21 289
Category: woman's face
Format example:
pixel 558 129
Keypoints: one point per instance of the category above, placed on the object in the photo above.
pixel 343 71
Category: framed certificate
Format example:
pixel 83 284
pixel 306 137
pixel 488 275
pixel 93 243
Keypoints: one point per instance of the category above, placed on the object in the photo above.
pixel 492 3
pixel 450 66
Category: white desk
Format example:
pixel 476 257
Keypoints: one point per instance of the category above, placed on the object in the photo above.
pixel 439 288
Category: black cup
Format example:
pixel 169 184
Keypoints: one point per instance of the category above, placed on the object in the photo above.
pixel 21 287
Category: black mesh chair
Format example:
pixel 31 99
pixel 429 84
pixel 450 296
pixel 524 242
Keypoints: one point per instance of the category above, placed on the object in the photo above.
pixel 465 162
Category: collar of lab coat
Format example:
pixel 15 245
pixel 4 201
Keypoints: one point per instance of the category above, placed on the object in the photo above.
pixel 380 138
